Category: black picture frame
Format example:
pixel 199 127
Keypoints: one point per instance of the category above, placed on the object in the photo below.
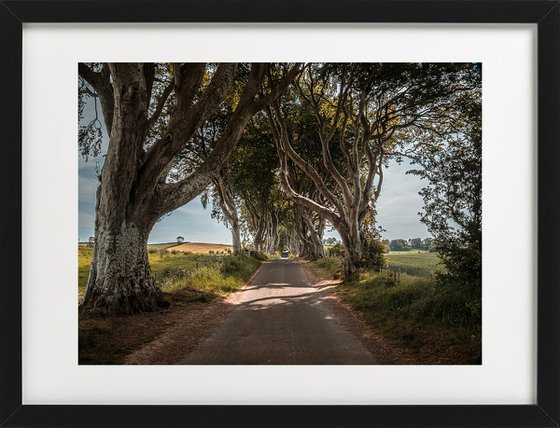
pixel 544 13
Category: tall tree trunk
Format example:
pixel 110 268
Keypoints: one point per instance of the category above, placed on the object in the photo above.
pixel 317 250
pixel 353 250
pixel 229 209
pixel 236 237
pixel 120 279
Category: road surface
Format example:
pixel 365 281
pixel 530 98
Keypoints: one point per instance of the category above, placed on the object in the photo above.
pixel 281 318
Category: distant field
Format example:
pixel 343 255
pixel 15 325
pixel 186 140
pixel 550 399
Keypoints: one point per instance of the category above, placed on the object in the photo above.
pixel 200 247
pixel 416 263
pixel 162 246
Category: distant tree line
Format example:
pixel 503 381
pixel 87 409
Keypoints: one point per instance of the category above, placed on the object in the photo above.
pixel 426 244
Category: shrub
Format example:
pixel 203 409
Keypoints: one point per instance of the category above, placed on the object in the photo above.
pixel 336 250
pixel 373 254
pixel 212 275
pixel 258 255
pixel 333 266
pixel 239 266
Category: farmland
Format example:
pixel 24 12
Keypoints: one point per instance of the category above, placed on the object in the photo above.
pixel 163 246
pixel 416 263
pixel 201 248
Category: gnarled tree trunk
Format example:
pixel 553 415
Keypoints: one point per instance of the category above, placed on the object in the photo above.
pixel 229 209
pixel 309 234
pixel 120 279
pixel 350 237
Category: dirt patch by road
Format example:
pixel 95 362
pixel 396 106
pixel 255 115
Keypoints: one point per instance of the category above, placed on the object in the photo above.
pixel 187 326
pixel 152 338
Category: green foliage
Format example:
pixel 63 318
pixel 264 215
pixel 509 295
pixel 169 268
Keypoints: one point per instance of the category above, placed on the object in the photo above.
pixel 416 244
pixel 330 241
pixel 372 253
pixel 337 250
pixel 240 266
pixel 90 135
pixel 332 267
pixel 259 255
pixel 399 245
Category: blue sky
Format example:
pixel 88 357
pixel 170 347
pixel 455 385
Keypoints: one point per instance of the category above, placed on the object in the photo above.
pixel 397 208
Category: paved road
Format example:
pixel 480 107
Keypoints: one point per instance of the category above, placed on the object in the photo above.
pixel 280 318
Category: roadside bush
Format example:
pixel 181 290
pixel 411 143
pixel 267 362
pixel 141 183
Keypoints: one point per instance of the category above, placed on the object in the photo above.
pixel 240 265
pixel 455 305
pixel 336 250
pixel 373 254
pixel 332 266
pixel 212 275
pixel 259 255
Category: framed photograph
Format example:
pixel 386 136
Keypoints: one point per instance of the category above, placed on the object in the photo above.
pixel 281 214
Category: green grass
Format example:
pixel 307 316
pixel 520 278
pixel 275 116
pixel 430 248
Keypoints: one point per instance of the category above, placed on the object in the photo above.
pixel 331 267
pixel 84 261
pixel 209 275
pixel 434 324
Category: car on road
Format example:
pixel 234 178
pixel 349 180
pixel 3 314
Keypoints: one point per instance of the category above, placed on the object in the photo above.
pixel 285 254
